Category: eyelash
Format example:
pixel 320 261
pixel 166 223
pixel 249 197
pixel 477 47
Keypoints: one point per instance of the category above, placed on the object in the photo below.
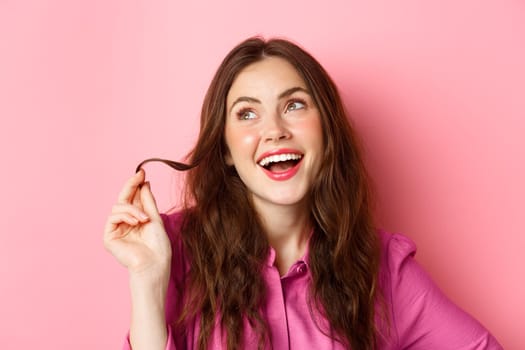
pixel 242 112
pixel 294 101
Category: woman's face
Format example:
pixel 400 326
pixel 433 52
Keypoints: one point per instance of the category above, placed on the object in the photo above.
pixel 273 133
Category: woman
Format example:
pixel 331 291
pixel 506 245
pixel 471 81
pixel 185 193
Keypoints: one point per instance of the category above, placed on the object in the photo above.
pixel 276 246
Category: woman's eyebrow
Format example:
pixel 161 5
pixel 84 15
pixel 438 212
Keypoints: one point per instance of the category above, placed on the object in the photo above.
pixel 244 99
pixel 290 91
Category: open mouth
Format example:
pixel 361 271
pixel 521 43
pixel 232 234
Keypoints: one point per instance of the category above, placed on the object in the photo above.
pixel 279 163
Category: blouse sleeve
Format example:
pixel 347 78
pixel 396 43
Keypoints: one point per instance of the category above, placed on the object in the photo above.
pixel 179 269
pixel 422 316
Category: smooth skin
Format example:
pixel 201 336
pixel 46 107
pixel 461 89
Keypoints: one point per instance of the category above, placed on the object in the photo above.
pixel 135 235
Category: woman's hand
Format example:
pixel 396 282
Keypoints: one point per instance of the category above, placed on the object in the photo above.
pixel 135 235
pixel 134 232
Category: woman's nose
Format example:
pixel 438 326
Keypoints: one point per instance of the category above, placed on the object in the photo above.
pixel 275 129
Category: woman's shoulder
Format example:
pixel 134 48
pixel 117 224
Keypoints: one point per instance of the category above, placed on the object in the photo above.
pixel 398 267
pixel 421 314
pixel 395 248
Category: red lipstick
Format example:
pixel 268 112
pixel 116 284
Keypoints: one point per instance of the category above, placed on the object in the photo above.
pixel 278 151
pixel 285 174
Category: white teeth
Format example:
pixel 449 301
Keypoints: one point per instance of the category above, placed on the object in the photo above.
pixel 279 158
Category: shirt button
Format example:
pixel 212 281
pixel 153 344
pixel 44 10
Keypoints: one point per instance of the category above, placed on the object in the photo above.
pixel 301 269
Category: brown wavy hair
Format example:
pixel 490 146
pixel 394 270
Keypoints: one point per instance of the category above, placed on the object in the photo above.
pixel 224 238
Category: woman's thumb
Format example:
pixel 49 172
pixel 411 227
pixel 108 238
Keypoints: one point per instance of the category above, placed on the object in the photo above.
pixel 148 201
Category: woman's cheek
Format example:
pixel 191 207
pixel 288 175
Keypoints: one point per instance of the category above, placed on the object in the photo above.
pixel 247 139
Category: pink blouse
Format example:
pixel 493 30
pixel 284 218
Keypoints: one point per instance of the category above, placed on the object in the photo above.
pixel 422 317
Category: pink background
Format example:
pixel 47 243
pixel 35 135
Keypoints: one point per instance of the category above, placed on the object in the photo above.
pixel 90 88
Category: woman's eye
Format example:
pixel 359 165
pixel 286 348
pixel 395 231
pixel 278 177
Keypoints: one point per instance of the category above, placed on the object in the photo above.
pixel 246 114
pixel 295 105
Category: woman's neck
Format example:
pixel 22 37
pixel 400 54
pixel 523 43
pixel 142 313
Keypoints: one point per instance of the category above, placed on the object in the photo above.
pixel 287 229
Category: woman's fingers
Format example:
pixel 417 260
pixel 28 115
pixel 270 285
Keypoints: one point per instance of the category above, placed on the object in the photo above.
pixel 136 201
pixel 130 187
pixel 124 214
pixel 133 210
pixel 134 232
pixel 148 201
pixel 117 226
pixel 114 220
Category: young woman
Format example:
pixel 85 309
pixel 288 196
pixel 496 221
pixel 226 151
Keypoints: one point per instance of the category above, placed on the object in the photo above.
pixel 276 247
